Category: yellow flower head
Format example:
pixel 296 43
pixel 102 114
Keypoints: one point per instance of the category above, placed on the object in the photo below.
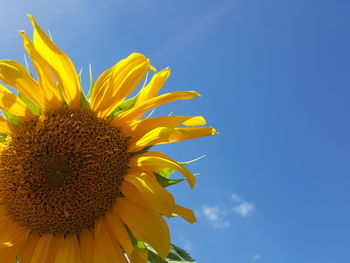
pixel 77 180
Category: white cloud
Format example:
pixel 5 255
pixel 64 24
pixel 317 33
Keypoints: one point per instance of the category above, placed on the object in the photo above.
pixel 244 209
pixel 212 213
pixel 255 258
pixel 215 215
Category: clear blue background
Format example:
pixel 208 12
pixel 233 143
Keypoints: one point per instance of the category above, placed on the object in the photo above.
pixel 274 76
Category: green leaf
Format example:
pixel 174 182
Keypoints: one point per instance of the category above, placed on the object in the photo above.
pixel 30 104
pixel 165 182
pixel 11 118
pixel 124 106
pixel 176 252
pixel 154 258
pixel 176 255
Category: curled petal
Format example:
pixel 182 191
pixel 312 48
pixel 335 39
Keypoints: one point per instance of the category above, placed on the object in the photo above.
pixel 14 105
pixel 185 213
pixel 163 135
pixel 137 112
pixel 156 161
pixel 15 75
pixel 141 127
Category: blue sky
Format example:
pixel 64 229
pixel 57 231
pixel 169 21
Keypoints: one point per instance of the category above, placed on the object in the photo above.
pixel 274 75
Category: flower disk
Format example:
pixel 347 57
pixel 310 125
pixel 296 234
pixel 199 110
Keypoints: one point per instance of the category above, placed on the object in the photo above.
pixel 63 171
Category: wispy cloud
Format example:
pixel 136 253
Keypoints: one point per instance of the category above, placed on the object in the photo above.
pixel 243 208
pixel 216 216
pixel 219 215
pixel 255 258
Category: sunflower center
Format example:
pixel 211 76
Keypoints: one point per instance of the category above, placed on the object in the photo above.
pixel 62 172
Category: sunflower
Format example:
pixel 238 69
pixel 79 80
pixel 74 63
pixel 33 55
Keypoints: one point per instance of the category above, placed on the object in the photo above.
pixel 78 181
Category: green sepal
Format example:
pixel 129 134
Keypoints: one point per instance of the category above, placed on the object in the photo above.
pixel 167 172
pixel 141 151
pixel 83 101
pixel 192 161
pixel 35 109
pixel 124 106
pixel 92 82
pixel 165 182
pixel 11 118
pixel 60 91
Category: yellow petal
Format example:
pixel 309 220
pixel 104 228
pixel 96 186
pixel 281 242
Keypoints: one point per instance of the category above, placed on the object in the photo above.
pixel 152 191
pixel 8 255
pixel 139 256
pixel 14 105
pixel 118 84
pixel 119 231
pixel 45 249
pixel 46 81
pixel 15 75
pixel 131 193
pixel 12 239
pixel 11 233
pixel 152 88
pixel 86 244
pixel 156 161
pixel 107 248
pixel 59 63
pixel 139 128
pixel 28 248
pixel 147 225
pixel 5 127
pixel 3 211
pixel 137 112
pixel 185 213
pixel 163 135
pixel 69 251
pixel 100 87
